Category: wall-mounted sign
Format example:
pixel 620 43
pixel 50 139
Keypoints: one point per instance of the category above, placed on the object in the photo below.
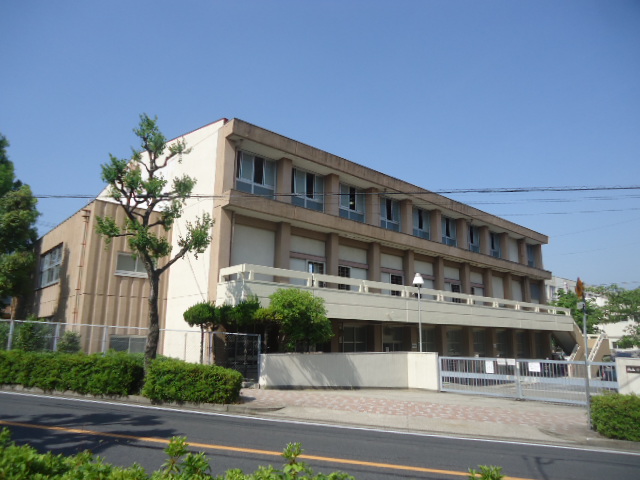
pixel 633 368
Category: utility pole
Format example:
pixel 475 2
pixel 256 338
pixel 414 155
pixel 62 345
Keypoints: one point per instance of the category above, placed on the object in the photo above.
pixel 587 371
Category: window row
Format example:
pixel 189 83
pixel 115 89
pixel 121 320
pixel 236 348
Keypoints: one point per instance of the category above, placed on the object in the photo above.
pixel 257 175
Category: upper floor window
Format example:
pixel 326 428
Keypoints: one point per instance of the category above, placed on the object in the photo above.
pixel 307 189
pixel 129 266
pixel 449 231
pixel 255 174
pixel 389 214
pixel 495 249
pixel 421 223
pixel 352 203
pixel 474 239
pixel 50 264
pixel 344 272
pixel 531 255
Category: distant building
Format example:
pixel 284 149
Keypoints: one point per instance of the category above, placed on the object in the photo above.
pixel 291 215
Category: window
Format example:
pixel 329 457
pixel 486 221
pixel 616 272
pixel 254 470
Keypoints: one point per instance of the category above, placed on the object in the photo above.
pixel 127 343
pixel 130 266
pixel 308 190
pixel 352 203
pixel 531 255
pixel 479 342
pixel 255 174
pixel 316 267
pixel 429 339
pixel 421 223
pixel 474 239
pixel 389 214
pixel 495 250
pixel 50 264
pixel 393 279
pixel 344 272
pixel 392 339
pixel 354 339
pixel 454 341
pixel 449 232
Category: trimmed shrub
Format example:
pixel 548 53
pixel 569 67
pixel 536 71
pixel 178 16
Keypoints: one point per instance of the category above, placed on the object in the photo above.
pixel 178 381
pixel 617 416
pixel 110 374
pixel 69 343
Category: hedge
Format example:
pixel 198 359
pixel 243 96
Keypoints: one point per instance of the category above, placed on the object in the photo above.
pixel 111 374
pixel 175 380
pixel 616 416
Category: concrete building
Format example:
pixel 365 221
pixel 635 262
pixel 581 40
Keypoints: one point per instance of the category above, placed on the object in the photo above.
pixel 290 215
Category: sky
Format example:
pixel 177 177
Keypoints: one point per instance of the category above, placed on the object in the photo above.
pixel 448 95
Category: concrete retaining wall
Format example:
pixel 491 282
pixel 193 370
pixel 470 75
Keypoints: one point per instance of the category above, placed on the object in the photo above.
pixel 350 370
pixel 628 370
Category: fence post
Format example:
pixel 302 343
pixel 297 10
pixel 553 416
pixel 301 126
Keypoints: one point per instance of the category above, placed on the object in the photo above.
pixel 104 339
pixel 518 385
pixel 56 336
pixel 11 330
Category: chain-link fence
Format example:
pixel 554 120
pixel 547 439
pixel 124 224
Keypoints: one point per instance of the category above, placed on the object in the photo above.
pixel 239 351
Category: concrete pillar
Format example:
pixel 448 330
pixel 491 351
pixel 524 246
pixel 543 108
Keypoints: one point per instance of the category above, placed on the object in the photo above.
pixel 532 344
pixel 543 292
pixel 526 287
pixel 220 246
pixel 332 194
pixel 512 343
pixel 538 257
pixel 406 217
pixel 504 245
pixel 467 342
pixel 522 252
pixel 492 340
pixel 487 279
pixel 408 267
pixel 282 255
pixel 372 203
pixel 462 233
pixel 508 286
pixel 332 254
pixel 465 278
pixel 284 172
pixel 377 337
pixel 438 273
pixel 485 240
pixel 436 226
pixel 373 260
pixel 441 340
pixel 338 333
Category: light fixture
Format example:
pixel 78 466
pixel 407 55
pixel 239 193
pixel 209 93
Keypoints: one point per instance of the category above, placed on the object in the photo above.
pixel 418 282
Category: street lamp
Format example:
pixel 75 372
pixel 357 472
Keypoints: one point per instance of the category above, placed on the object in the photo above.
pixel 418 282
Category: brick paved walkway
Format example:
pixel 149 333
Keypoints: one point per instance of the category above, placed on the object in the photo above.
pixel 558 419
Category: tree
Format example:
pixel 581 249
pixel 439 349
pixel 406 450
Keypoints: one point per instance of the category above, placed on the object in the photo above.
pixel 301 316
pixel 621 304
pixel 570 300
pixel 151 207
pixel 203 315
pixel 18 234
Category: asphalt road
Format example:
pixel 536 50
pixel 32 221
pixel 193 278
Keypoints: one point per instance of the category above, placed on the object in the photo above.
pixel 126 434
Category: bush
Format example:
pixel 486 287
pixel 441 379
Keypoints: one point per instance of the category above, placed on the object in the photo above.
pixel 617 416
pixel 32 336
pixel 25 462
pixel 111 374
pixel 69 343
pixel 175 380
pixel 487 472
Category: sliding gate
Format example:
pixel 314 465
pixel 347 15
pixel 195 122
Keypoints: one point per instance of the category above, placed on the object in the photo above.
pixel 543 380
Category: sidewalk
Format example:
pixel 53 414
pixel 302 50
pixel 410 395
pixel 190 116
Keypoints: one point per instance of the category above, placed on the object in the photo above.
pixel 434 412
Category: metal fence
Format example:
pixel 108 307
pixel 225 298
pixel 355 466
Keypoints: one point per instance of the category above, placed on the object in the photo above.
pixel 544 380
pixel 239 351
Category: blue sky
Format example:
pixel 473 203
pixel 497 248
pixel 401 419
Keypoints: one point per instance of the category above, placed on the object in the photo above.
pixel 444 94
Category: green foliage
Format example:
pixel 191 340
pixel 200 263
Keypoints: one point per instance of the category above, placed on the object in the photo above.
pixel 301 316
pixel 487 472
pixel 69 343
pixel 616 416
pixel 621 304
pixel 630 340
pixel 177 381
pixel 570 300
pixel 32 336
pixel 111 374
pixel 201 314
pixel 142 191
pixel 18 234
pixel 20 462
pixel 244 313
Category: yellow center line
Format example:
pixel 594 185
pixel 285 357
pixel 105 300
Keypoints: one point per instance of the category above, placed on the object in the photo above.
pixel 344 461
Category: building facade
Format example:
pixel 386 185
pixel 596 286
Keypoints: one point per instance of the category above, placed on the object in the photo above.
pixel 290 215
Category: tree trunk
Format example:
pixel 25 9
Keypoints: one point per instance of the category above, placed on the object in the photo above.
pixel 151 348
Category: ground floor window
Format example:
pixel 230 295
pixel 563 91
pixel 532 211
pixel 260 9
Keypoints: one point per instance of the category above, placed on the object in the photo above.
pixel 480 342
pixel 501 343
pixel 429 343
pixel 392 339
pixel 354 339
pixel 454 342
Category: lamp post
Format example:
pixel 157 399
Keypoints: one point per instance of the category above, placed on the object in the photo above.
pixel 418 282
